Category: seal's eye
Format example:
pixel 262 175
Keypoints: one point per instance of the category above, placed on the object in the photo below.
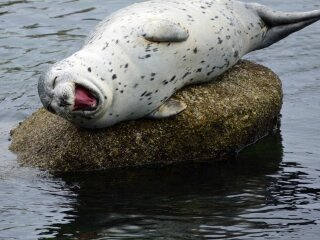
pixel 54 82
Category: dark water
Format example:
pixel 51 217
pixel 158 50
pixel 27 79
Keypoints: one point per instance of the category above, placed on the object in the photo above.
pixel 271 192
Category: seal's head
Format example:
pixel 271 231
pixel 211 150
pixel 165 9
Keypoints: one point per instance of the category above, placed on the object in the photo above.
pixel 74 94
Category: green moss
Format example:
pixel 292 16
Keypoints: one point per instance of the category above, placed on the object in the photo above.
pixel 222 118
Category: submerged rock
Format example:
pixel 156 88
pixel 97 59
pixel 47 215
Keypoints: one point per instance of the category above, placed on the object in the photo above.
pixel 222 118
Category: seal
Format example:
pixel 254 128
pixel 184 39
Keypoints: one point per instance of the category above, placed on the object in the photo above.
pixel 137 58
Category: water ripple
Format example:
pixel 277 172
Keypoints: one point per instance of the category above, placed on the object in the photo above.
pixel 76 12
pixel 11 3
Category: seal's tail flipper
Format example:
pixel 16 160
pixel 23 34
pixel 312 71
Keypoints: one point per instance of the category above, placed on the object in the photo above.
pixel 282 24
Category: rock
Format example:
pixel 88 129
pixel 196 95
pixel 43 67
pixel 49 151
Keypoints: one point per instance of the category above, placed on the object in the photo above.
pixel 222 118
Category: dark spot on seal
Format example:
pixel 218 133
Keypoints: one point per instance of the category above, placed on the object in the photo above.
pixel 143 94
pixel 186 74
pixel 174 77
pixel 146 56
pixel 195 50
pixel 127 65
pixel 54 82
pixel 213 69
pixel 106 45
pixel 199 69
pixel 114 76
pixel 236 54
pixel 89 69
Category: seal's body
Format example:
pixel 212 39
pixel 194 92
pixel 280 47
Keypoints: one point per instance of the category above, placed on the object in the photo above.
pixel 137 58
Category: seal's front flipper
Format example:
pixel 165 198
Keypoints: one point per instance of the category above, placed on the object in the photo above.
pixel 282 24
pixel 164 31
pixel 168 109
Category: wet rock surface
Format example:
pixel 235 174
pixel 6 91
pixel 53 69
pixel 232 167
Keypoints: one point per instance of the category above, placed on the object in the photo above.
pixel 222 118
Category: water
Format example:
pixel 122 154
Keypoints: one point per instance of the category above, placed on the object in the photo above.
pixel 271 192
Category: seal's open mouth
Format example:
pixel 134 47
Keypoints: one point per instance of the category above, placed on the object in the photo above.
pixel 84 99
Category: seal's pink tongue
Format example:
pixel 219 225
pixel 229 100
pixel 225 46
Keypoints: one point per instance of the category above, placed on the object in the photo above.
pixel 83 99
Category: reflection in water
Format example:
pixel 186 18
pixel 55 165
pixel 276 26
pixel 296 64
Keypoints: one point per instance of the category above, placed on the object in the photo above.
pixel 30 200
pixel 197 199
pixel 248 198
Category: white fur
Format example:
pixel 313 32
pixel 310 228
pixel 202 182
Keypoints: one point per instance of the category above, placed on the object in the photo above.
pixel 220 33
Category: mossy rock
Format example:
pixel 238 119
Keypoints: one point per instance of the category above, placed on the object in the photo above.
pixel 222 118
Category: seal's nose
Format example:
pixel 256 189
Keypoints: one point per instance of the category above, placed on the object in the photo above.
pixel 64 101
pixel 63 94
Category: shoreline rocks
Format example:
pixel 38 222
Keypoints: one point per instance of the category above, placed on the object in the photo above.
pixel 222 117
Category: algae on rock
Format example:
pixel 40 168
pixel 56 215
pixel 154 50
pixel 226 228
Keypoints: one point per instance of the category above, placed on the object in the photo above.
pixel 222 117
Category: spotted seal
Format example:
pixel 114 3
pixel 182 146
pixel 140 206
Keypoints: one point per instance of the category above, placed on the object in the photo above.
pixel 138 57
